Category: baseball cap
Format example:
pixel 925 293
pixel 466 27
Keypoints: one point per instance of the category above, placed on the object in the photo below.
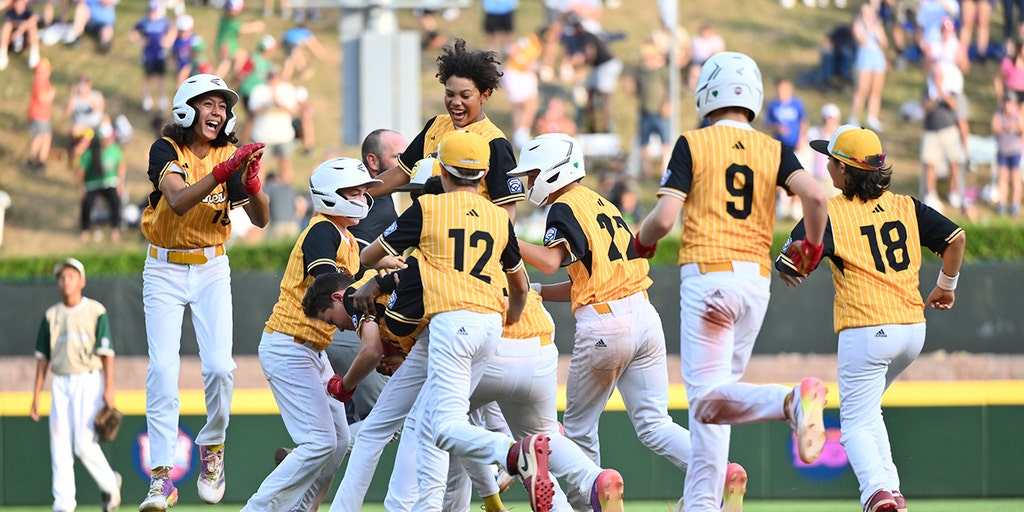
pixel 465 150
pixel 830 110
pixel 70 262
pixel 235 5
pixel 854 146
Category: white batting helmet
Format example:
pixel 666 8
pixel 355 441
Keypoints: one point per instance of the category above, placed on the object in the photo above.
pixel 333 176
pixel 729 79
pixel 558 157
pixel 185 114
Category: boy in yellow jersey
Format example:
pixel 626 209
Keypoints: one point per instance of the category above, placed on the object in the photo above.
pixel 873 240
pixel 292 348
pixel 619 340
pixel 469 77
pixel 727 174
pixel 467 248
pixel 198 176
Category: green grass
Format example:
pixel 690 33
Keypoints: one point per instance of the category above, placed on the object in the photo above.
pixel 950 505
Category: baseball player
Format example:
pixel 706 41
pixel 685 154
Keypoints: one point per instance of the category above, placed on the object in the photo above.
pixel 74 340
pixel 873 240
pixel 197 176
pixel 466 244
pixel 726 173
pixel 380 152
pixel 619 339
pixel 469 79
pixel 291 349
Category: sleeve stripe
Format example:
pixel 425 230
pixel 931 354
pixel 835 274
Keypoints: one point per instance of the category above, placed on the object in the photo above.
pixel 666 191
pixel 321 261
pixel 386 246
pixel 952 236
pixel 509 199
pixel 515 269
pixel 789 179
pixel 398 317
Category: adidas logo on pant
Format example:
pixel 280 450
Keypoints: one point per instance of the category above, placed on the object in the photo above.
pixel 880 334
pixel 461 331
pixel 600 344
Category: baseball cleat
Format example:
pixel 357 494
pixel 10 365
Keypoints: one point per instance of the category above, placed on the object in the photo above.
pixel 804 410
pixel 880 501
pixel 735 488
pixel 901 502
pixel 606 494
pixel 528 458
pixel 211 475
pixel 162 494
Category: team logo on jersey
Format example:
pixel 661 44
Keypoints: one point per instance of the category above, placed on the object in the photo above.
pixel 664 177
pixel 550 235
pixel 217 198
pixel 391 228
pixel 515 185
pixel 392 299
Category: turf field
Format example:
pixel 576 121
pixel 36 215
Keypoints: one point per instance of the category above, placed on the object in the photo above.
pixel 990 505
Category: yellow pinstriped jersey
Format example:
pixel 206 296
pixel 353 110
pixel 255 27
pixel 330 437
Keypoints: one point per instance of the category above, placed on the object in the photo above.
pixel 497 185
pixel 466 244
pixel 535 322
pixel 403 319
pixel 602 263
pixel 727 174
pixel 322 247
pixel 874 248
pixel 207 224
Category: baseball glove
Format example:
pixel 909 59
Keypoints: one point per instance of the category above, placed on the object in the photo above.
pixel 107 423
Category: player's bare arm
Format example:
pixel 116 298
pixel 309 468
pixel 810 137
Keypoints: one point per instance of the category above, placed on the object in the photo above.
pixel 660 221
pixel 108 380
pixel 182 197
pixel 518 289
pixel 392 178
pixel 375 257
pixel 546 259
pixel 814 202
pixel 42 366
pixel 943 295
pixel 370 352
pixel 558 292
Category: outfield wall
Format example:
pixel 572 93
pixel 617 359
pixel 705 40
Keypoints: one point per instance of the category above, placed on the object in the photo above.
pixel 949 439
pixel 987 317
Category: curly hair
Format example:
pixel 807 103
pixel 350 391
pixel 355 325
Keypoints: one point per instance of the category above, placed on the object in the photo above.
pixel 866 184
pixel 477 65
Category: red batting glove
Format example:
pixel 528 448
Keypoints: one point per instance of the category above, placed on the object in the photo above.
pixel 252 183
pixel 336 388
pixel 224 170
pixel 805 255
pixel 644 251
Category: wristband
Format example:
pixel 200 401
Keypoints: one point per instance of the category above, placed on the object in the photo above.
pixel 947 282
pixel 537 287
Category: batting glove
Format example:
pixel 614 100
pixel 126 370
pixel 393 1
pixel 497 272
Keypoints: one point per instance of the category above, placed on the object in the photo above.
pixel 336 388
pixel 252 184
pixel 224 170
pixel 644 251
pixel 805 255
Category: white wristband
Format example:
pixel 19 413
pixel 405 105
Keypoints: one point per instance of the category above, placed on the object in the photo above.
pixel 537 287
pixel 945 282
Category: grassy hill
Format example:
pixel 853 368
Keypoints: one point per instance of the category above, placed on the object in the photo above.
pixel 44 216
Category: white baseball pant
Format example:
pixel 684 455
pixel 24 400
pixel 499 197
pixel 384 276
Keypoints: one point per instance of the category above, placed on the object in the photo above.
pixel 316 422
pixel 720 316
pixel 379 428
pixel 75 401
pixel 620 344
pixel 206 289
pixel 870 359
pixel 461 342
